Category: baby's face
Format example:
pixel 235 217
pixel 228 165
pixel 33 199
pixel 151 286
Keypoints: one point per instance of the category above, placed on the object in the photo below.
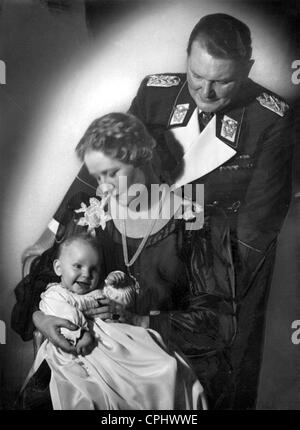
pixel 78 266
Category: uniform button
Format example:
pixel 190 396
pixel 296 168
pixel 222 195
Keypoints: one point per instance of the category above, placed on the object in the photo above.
pixel 236 205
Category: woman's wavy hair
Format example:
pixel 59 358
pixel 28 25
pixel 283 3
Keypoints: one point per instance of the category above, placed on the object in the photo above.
pixel 121 136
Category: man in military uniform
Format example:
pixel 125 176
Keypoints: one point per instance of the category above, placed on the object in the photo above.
pixel 215 126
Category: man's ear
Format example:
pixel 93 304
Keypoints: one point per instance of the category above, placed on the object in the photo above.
pixel 247 68
pixel 56 267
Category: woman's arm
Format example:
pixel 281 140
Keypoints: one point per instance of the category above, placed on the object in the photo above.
pixel 45 241
pixel 50 326
pixel 73 326
pixel 55 303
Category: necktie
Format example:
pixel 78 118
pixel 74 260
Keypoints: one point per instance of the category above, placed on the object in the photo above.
pixel 204 118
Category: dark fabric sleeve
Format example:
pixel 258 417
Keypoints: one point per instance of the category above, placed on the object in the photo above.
pixel 207 321
pixel 143 107
pixel 138 104
pixel 83 183
pixel 269 192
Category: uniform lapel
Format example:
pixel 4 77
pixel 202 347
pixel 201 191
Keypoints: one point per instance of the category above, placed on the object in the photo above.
pixel 181 112
pixel 228 126
pixel 206 153
pixel 198 154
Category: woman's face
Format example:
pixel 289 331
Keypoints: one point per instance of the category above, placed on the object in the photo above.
pixel 114 173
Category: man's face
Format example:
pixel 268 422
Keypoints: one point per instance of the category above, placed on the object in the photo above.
pixel 213 82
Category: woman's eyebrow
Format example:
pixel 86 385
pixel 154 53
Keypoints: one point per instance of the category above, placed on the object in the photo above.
pixel 103 172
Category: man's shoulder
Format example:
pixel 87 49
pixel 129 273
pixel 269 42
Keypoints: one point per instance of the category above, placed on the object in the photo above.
pixel 266 102
pixel 157 94
pixel 166 85
pixel 164 80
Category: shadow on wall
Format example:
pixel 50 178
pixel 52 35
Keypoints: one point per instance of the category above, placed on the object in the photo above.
pixel 280 375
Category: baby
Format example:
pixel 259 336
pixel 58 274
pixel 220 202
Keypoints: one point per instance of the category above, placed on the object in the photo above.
pixel 125 368
pixel 78 266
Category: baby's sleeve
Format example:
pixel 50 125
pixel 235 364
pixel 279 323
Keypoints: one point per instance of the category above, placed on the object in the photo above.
pixel 59 303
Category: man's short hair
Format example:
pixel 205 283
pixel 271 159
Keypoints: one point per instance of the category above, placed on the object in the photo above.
pixel 223 36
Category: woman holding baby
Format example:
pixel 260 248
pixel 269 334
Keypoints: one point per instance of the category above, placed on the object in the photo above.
pixel 185 275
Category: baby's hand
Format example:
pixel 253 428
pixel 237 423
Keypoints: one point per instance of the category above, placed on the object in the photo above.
pixel 116 277
pixel 86 344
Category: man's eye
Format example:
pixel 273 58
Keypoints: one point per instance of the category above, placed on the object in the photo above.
pixel 77 266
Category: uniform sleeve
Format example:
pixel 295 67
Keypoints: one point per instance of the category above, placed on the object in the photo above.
pixel 138 105
pixel 57 304
pixel 83 183
pixel 269 192
pixel 207 323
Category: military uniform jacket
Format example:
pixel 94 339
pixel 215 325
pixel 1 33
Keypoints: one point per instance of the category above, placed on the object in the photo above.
pixel 254 185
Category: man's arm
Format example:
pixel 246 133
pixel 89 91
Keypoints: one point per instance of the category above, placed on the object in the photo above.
pixel 269 192
pixel 207 322
pixel 138 104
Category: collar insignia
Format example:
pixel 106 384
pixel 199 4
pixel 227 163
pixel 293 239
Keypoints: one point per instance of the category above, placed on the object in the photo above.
pixel 179 114
pixel 229 128
pixel 163 81
pixel 273 103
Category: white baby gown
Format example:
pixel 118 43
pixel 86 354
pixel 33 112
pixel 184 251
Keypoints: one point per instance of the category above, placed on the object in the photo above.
pixel 128 369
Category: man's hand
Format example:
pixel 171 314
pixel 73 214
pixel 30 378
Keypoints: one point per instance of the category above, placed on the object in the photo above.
pixel 50 327
pixel 86 344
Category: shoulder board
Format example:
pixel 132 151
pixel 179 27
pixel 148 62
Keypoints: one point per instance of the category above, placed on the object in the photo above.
pixel 163 81
pixel 273 103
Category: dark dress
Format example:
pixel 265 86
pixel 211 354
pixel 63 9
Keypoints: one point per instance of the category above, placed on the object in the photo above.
pixel 187 275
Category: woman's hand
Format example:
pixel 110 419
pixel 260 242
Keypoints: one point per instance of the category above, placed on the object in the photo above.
pixel 103 312
pixel 50 327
